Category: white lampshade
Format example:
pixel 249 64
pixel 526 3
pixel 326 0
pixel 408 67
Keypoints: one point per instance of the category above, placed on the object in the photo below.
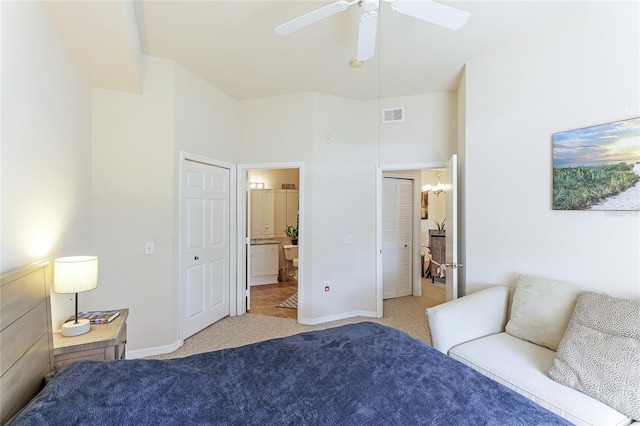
pixel 75 274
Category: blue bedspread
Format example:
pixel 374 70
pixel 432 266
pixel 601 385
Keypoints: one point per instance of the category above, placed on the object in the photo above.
pixel 360 374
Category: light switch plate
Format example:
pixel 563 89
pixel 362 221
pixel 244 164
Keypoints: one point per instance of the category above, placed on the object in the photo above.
pixel 149 247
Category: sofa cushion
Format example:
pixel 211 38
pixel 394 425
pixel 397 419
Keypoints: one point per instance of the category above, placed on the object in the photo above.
pixel 541 310
pixel 523 367
pixel 600 352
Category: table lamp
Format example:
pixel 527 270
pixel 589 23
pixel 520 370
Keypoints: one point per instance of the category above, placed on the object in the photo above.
pixel 73 275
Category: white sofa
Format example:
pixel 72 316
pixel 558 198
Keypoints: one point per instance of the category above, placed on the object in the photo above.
pixel 472 330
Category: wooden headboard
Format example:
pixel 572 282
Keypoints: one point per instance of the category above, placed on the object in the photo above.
pixel 26 339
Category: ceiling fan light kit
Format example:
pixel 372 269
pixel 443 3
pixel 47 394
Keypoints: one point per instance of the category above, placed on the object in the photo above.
pixel 426 10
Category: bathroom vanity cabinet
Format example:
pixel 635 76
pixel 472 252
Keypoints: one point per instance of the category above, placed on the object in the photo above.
pixel 262 213
pixel 264 263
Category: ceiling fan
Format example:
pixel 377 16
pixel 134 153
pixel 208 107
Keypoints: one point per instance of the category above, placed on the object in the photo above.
pixel 427 10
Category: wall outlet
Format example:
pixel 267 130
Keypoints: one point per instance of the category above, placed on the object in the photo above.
pixel 149 247
pixel 348 239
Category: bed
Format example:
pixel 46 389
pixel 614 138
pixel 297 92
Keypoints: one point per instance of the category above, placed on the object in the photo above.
pixel 357 374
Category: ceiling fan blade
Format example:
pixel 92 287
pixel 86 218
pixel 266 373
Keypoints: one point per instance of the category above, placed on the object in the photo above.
pixel 436 13
pixel 312 17
pixel 367 36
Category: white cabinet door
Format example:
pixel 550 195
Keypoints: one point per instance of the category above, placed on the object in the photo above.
pixel 279 212
pixel 285 210
pixel 261 213
pixel 256 214
pixel 264 264
pixel 293 198
pixel 267 214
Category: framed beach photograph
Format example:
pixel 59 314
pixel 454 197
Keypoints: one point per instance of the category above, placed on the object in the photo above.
pixel 597 167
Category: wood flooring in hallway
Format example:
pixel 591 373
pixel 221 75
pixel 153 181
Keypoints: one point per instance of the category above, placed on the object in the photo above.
pixel 265 298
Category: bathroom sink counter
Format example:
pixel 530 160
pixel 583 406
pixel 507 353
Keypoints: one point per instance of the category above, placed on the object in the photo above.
pixel 258 241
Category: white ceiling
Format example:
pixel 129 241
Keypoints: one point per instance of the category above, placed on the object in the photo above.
pixel 232 44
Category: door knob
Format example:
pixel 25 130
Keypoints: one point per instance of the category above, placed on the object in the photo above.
pixel 196 258
pixel 453 265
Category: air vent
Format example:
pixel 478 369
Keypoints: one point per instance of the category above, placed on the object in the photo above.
pixel 392 115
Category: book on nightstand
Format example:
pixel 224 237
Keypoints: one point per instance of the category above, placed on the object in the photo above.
pixel 96 317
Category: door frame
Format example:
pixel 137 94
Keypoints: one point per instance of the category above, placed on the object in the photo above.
pixel 189 156
pixel 243 236
pixel 387 170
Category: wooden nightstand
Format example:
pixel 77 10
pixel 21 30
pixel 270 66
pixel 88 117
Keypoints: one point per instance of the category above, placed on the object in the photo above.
pixel 103 342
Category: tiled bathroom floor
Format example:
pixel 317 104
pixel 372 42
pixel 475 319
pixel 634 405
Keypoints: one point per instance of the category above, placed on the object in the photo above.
pixel 264 299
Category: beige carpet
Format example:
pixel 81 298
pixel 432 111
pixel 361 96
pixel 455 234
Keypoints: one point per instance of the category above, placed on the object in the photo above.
pixel 404 313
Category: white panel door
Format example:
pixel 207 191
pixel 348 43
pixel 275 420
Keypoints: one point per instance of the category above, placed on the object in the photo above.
pixel 397 237
pixel 205 246
pixel 451 237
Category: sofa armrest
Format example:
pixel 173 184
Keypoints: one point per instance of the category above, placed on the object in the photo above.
pixel 470 317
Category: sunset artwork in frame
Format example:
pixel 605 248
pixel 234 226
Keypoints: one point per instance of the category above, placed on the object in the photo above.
pixel 598 167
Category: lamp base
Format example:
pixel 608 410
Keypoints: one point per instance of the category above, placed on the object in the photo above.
pixel 71 328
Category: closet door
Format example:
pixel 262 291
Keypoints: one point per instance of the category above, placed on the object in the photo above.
pixel 397 232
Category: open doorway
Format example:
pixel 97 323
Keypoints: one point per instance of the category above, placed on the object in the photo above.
pixel 272 222
pixel 430 215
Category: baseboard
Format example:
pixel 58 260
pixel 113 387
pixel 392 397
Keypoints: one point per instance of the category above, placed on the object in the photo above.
pixel 157 350
pixel 345 315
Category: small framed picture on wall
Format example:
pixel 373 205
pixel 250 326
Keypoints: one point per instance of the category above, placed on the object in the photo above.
pixel 424 205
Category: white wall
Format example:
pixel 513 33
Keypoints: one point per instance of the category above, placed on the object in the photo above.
pixel 341 201
pixel 281 129
pixel 133 180
pixel 341 141
pixel 206 119
pixel 577 72
pixel 46 147
pixel 428 133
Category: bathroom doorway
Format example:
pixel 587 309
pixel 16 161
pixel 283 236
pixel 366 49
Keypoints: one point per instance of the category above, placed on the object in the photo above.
pixel 272 238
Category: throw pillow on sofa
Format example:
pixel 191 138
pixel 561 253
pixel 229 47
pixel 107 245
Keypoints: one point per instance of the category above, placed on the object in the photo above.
pixel 541 309
pixel 599 354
